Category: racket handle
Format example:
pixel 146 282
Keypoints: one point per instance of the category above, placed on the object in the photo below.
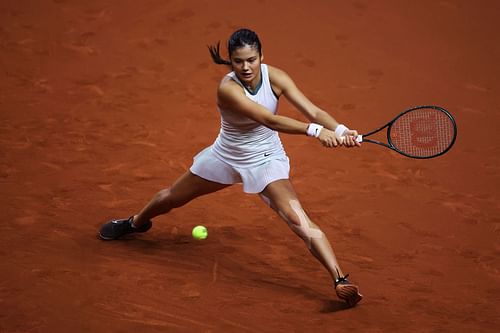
pixel 359 138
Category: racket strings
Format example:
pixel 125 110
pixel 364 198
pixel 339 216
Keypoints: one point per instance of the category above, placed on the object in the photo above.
pixel 422 132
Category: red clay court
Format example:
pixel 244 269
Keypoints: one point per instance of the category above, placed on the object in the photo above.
pixel 103 103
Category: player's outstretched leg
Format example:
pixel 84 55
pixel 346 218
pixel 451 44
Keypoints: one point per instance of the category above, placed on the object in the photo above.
pixel 186 188
pixel 281 196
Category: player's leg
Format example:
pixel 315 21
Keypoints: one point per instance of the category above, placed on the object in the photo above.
pixel 283 199
pixel 188 187
pixel 281 196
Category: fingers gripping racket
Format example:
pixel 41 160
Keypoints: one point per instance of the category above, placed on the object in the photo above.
pixel 419 132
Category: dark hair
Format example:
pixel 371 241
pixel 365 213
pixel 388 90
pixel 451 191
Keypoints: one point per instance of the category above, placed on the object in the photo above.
pixel 239 38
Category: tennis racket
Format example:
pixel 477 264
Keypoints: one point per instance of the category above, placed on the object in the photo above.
pixel 420 132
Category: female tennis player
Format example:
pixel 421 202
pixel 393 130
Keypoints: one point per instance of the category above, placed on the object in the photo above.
pixel 248 150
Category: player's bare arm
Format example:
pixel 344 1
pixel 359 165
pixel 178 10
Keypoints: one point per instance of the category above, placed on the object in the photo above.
pixel 283 84
pixel 230 95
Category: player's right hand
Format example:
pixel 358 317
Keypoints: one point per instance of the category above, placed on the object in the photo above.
pixel 349 139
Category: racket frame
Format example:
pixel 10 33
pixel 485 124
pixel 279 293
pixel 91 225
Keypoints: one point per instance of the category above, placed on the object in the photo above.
pixel 390 145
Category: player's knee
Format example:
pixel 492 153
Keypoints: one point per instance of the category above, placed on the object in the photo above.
pixel 293 214
pixel 300 223
pixel 289 215
pixel 166 198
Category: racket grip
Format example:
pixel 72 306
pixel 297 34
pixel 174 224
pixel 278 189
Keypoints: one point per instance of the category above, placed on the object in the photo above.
pixel 359 138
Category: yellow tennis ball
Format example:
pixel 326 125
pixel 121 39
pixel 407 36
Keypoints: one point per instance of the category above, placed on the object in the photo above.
pixel 200 232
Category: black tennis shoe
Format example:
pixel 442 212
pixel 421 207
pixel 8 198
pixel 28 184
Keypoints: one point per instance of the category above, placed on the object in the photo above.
pixel 117 228
pixel 347 291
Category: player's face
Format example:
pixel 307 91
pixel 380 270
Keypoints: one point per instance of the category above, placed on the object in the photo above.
pixel 245 62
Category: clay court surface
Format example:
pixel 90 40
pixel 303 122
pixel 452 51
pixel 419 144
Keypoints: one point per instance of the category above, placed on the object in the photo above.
pixel 103 103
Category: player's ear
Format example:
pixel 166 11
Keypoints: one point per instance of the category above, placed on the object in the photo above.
pixel 261 57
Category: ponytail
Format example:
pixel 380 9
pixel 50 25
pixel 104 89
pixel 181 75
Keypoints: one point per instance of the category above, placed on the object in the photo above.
pixel 215 53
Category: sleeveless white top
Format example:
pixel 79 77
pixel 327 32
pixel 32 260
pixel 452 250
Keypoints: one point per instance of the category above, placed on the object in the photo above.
pixel 243 142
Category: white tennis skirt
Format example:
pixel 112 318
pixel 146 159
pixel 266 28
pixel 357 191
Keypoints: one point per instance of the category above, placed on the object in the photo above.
pixel 255 179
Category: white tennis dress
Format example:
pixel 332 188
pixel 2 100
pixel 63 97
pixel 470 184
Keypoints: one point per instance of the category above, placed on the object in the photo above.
pixel 245 151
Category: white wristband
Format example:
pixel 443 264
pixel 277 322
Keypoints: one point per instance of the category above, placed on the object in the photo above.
pixel 340 130
pixel 314 130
